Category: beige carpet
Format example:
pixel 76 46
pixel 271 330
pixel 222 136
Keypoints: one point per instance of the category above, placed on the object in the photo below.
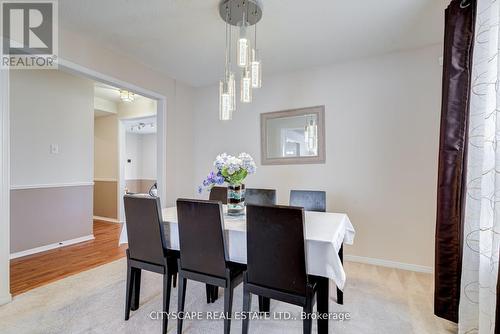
pixel 379 300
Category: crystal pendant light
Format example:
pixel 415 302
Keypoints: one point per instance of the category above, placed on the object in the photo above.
pixel 227 100
pixel 246 86
pixel 225 112
pixel 256 65
pixel 243 51
pixel 311 136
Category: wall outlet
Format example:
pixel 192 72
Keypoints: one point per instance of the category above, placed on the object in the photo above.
pixel 54 149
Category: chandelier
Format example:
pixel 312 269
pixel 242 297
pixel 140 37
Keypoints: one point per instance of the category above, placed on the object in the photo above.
pixel 126 96
pixel 242 14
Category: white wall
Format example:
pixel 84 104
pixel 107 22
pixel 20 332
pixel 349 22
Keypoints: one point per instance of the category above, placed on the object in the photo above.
pixel 141 150
pixel 148 162
pixel 382 131
pixel 51 107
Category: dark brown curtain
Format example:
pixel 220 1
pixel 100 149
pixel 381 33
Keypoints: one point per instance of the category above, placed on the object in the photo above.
pixel 457 64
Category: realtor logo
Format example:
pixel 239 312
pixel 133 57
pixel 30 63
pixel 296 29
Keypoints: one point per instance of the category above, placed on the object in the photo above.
pixel 29 34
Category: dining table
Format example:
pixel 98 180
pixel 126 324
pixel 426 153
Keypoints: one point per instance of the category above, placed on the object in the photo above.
pixel 325 234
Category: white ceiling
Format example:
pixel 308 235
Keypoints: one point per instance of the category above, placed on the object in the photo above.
pixel 185 38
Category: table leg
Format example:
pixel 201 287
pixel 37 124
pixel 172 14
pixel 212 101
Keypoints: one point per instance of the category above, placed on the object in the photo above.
pixel 340 294
pixel 323 297
pixel 264 304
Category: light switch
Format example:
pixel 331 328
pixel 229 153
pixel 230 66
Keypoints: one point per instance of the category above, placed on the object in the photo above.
pixel 54 148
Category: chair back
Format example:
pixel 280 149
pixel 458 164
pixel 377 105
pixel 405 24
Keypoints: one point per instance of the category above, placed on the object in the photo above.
pixel 144 228
pixel 275 248
pixel 201 236
pixel 218 194
pixel 260 196
pixel 308 199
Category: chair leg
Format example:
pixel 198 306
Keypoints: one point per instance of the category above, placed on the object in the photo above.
pixel 228 308
pixel 136 288
pixel 128 293
pixel 264 304
pixel 167 281
pixel 180 302
pixel 208 290
pixel 323 297
pixel 307 322
pixel 247 305
pixel 215 293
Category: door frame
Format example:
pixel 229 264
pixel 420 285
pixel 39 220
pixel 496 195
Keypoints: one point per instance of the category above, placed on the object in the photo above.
pixel 5 295
pixel 68 67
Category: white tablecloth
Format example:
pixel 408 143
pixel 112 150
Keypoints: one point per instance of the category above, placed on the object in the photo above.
pixel 324 233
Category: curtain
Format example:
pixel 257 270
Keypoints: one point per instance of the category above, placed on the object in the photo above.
pixel 482 209
pixel 457 63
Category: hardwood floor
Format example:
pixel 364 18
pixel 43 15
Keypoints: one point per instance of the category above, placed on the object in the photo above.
pixel 32 271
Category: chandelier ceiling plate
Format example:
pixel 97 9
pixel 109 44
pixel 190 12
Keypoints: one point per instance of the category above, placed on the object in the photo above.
pixel 232 11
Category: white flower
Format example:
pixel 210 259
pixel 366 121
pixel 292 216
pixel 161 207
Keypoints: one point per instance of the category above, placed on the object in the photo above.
pixel 247 162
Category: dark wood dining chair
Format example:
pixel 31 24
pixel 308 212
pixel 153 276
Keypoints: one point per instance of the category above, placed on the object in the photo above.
pixel 147 250
pixel 218 194
pixel 312 200
pixel 279 230
pixel 203 255
pixel 260 196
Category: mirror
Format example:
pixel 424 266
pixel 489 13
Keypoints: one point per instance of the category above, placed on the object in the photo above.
pixel 293 136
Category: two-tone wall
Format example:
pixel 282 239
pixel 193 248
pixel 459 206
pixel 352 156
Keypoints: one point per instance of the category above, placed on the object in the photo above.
pixel 51 127
pixel 140 167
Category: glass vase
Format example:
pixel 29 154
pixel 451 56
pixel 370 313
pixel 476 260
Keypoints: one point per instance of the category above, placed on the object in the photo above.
pixel 236 199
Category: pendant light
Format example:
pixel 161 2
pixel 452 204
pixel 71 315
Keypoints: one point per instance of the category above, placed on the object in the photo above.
pixel 246 86
pixel 243 50
pixel 227 102
pixel 242 14
pixel 311 135
pixel 256 64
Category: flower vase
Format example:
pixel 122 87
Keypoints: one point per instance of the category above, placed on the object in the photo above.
pixel 236 199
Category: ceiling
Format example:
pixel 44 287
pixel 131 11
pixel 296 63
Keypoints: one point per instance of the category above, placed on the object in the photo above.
pixel 185 38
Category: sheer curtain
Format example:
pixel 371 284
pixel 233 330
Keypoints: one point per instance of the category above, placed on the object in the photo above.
pixel 482 208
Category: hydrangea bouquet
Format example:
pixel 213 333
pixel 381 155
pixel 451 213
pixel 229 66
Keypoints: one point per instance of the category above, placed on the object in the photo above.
pixel 230 169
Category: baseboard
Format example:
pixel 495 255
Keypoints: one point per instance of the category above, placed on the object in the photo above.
pixel 389 264
pixel 4 299
pixel 106 219
pixel 51 246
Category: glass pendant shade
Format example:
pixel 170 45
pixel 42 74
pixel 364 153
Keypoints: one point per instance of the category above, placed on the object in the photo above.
pixel 232 91
pixel 256 67
pixel 243 47
pixel 225 112
pixel 246 87
pixel 311 137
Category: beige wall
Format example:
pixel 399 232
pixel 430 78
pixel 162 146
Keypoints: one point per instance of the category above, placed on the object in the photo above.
pixel 382 132
pixel 105 199
pixel 106 147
